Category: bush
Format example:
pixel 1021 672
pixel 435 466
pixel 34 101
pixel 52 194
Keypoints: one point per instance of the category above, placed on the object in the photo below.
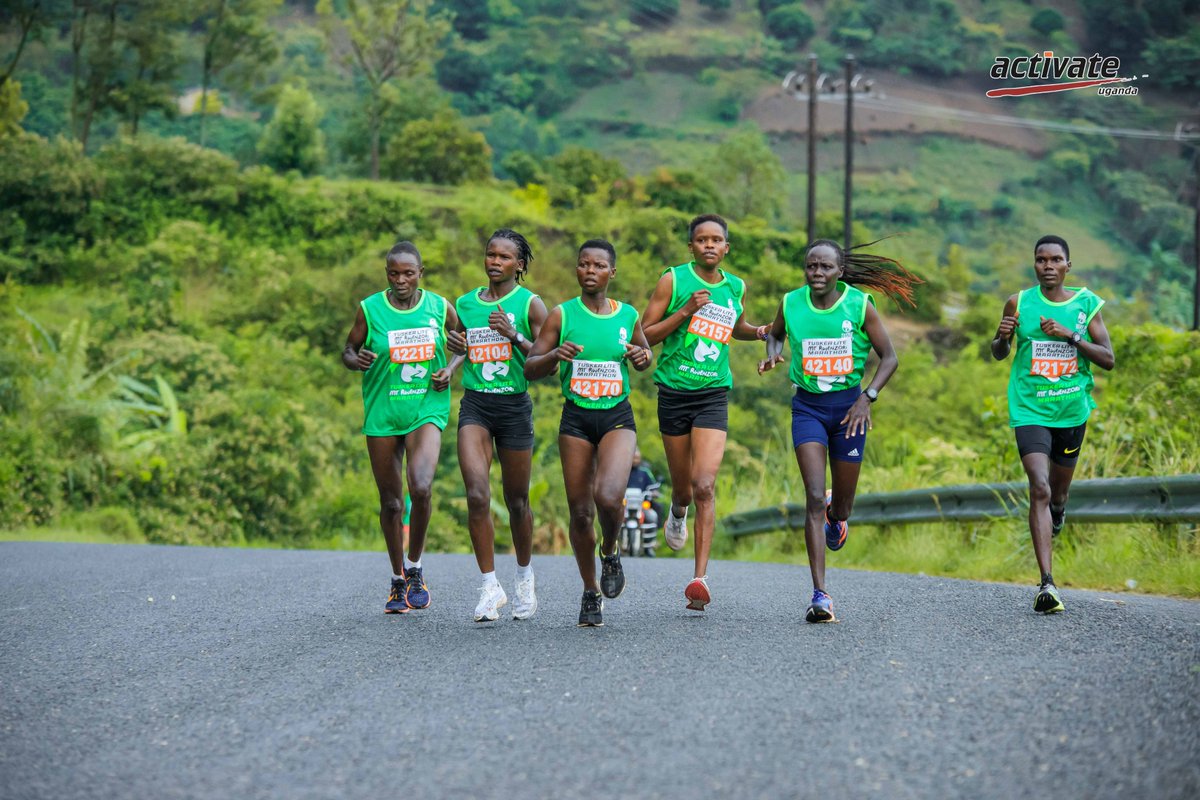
pixel 683 190
pixel 1046 21
pixel 438 150
pixel 791 24
pixel 292 139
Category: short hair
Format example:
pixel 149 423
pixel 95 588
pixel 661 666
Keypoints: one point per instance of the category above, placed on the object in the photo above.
pixel 703 218
pixel 600 244
pixel 403 248
pixel 524 251
pixel 1052 239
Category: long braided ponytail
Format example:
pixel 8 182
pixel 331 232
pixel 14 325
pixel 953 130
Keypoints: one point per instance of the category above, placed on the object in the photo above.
pixel 875 272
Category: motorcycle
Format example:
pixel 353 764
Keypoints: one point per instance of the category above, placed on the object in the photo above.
pixel 639 531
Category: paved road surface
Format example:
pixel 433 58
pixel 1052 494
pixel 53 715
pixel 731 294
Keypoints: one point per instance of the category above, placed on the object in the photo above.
pixel 275 674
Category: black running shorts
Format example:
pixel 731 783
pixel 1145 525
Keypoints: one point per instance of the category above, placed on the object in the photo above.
pixel 507 417
pixel 680 411
pixel 1061 444
pixel 593 423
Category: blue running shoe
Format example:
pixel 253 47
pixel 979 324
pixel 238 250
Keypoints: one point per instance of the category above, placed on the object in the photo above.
pixel 835 532
pixel 396 603
pixel 415 590
pixel 821 609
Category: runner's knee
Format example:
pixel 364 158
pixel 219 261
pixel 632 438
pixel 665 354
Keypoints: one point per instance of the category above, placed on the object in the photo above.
pixel 1039 491
pixel 702 488
pixel 479 498
pixel 517 503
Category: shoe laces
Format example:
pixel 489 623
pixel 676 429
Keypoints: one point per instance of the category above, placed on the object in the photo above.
pixel 413 579
pixel 591 602
pixel 818 595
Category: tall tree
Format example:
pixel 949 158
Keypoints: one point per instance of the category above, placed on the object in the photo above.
pixel 383 40
pixel 293 138
pixel 151 57
pixel 235 33
pixel 29 18
pixel 753 176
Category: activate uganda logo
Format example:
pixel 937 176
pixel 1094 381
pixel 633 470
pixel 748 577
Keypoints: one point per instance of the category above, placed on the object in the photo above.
pixel 1060 74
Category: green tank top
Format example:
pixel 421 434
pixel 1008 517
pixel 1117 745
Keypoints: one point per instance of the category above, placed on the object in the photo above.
pixel 696 354
pixel 829 346
pixel 494 364
pixel 410 346
pixel 1049 383
pixel 599 376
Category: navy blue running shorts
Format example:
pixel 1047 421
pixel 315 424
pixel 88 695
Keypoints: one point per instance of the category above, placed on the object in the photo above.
pixel 818 418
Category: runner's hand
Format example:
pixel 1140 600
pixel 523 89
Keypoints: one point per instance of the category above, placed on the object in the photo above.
pixel 640 356
pixel 1052 328
pixel 769 364
pixel 1008 324
pixel 500 323
pixel 365 359
pixel 456 342
pixel 859 417
pixel 441 379
pixel 567 351
pixel 698 300
pixel 762 332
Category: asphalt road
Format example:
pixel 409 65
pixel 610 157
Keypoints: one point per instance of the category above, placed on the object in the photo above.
pixel 276 674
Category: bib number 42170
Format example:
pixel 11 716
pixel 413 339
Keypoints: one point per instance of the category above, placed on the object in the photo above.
pixel 593 379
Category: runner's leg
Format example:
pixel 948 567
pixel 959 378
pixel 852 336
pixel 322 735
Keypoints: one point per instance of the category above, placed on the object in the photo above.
pixel 515 467
pixel 422 446
pixel 475 461
pixel 708 449
pixel 387 465
pixel 578 468
pixel 811 456
pixel 1037 468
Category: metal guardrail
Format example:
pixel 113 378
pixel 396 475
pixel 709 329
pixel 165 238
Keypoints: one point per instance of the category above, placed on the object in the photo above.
pixel 1172 499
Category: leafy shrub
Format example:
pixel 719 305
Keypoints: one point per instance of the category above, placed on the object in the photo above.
pixel 792 24
pixel 1046 21
pixel 439 150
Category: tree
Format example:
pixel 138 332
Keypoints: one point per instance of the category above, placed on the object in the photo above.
pixel 1046 21
pixel 292 139
pixel 235 32
pixel 151 57
pixel 383 40
pixel 12 108
pixel 29 18
pixel 753 176
pixel 791 24
pixel 439 150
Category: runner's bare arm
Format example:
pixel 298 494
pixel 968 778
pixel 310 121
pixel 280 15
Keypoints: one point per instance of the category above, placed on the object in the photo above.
pixel 658 327
pixel 354 355
pixel 1002 341
pixel 1099 350
pixel 748 332
pixel 638 351
pixel 882 344
pixel 546 353
pixel 776 335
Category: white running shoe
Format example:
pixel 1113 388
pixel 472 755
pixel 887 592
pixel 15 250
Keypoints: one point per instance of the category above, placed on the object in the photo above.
pixel 491 599
pixel 526 603
pixel 675 531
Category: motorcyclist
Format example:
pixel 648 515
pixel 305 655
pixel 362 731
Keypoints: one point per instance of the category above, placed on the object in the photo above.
pixel 642 477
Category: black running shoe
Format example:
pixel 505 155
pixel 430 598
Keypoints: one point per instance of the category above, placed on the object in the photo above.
pixel 612 577
pixel 591 610
pixel 1057 520
pixel 416 593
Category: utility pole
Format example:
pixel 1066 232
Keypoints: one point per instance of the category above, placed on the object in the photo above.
pixel 849 188
pixel 812 145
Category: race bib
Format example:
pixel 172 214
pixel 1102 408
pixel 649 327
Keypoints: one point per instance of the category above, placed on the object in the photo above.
pixel 713 322
pixel 484 345
pixel 826 357
pixel 1053 359
pixel 594 379
pixel 412 345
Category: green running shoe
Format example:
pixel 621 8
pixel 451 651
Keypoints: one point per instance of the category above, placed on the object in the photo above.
pixel 1048 600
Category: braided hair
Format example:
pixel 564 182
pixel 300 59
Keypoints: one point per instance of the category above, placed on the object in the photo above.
pixel 524 251
pixel 875 272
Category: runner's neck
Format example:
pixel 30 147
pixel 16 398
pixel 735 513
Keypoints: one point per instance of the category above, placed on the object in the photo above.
pixel 396 302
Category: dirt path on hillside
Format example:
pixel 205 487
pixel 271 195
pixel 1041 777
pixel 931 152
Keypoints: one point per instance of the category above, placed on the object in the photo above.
pixel 778 111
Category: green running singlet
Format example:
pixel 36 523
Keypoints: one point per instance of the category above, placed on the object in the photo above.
pixel 599 376
pixel 494 364
pixel 410 346
pixel 696 354
pixel 829 346
pixel 1049 383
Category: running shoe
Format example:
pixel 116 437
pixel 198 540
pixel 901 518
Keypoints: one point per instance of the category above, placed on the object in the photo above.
pixel 675 531
pixel 697 593
pixel 591 610
pixel 835 532
pixel 1048 600
pixel 612 576
pixel 396 603
pixel 526 602
pixel 1057 520
pixel 415 589
pixel 821 608
pixel 491 599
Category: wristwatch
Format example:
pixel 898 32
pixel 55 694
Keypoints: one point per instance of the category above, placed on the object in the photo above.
pixel 872 394
pixel 1076 337
pixel 520 340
